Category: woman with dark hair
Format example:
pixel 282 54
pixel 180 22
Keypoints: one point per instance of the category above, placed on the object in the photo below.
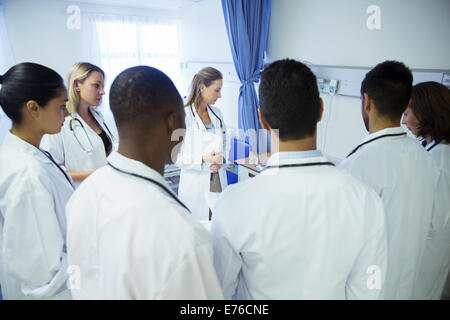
pixel 428 117
pixel 205 147
pixel 34 190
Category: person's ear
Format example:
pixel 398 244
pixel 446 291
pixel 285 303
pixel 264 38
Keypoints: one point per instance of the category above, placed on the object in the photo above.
pixel 367 103
pixel 321 110
pixel 263 121
pixel 175 120
pixel 172 122
pixel 33 108
pixel 76 85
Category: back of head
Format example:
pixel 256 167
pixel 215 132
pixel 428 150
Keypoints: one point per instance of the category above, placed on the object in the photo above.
pixel 205 76
pixel 389 84
pixel 25 82
pixel 80 71
pixel 289 99
pixel 142 95
pixel 430 103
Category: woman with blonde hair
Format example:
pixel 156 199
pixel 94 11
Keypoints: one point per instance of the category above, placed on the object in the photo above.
pixel 205 144
pixel 85 140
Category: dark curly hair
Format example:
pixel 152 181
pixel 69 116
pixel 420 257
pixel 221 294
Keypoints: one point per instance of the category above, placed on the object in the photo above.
pixel 289 99
pixel 142 93
pixel 430 103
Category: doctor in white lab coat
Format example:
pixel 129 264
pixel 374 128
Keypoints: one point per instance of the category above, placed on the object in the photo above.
pixel 85 140
pixel 399 170
pixel 205 146
pixel 33 188
pixel 428 116
pixel 129 236
pixel 301 229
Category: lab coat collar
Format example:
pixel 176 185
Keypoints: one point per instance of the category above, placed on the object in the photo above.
pixel 199 121
pixel 431 144
pixel 394 130
pixel 282 158
pixel 96 116
pixel 136 167
pixel 17 143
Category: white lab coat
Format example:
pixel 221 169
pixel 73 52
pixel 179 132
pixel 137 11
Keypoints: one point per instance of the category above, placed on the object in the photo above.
pixel 194 175
pixel 132 240
pixel 299 233
pixel 5 125
pixel 68 152
pixel 405 177
pixel 435 264
pixel 33 195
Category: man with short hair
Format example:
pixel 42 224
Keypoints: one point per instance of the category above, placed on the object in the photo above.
pixel 301 229
pixel 398 169
pixel 129 237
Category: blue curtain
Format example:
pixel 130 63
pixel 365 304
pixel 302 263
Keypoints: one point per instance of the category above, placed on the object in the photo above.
pixel 247 23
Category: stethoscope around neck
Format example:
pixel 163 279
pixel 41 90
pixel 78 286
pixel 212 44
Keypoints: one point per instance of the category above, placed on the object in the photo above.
pixel 76 120
pixel 376 138
pixel 207 107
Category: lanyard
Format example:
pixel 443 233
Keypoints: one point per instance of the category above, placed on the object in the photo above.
pixel 154 182
pixel 382 136
pixel 48 155
pixel 310 164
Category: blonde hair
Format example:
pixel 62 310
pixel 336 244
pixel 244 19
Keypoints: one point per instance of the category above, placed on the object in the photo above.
pixel 205 76
pixel 80 71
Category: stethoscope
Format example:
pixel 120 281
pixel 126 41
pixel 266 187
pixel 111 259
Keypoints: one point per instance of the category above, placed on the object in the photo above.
pixel 152 181
pixel 220 120
pixel 310 164
pixel 371 140
pixel 208 107
pixel 110 137
pixel 49 156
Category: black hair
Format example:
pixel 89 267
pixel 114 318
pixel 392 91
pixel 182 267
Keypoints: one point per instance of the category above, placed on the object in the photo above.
pixel 289 99
pixel 389 84
pixel 28 81
pixel 142 92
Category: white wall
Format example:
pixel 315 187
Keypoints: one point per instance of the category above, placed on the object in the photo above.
pixel 334 32
pixel 205 42
pixel 38 30
pixel 38 33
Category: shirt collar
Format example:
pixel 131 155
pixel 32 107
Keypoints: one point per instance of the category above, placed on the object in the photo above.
pixel 394 130
pixel 295 157
pixel 136 167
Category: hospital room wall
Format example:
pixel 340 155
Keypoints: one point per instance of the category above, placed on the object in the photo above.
pixel 412 31
pixel 38 30
pixel 205 40
pixel 38 33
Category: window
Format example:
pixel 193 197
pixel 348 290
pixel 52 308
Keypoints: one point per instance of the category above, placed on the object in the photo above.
pixel 125 42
